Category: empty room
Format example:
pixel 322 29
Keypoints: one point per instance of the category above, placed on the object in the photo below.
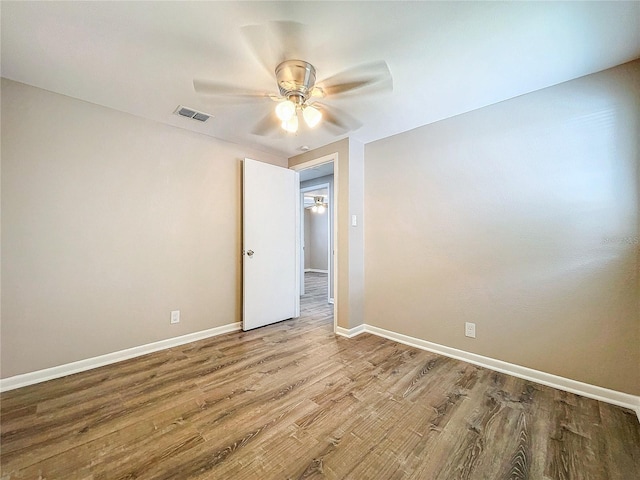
pixel 317 239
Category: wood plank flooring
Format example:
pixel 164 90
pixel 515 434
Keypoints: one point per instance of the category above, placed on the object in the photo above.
pixel 294 401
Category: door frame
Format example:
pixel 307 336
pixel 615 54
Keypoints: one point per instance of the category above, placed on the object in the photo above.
pixel 332 157
pixel 330 228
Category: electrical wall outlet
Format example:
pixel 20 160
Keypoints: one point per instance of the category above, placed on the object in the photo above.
pixel 470 329
pixel 175 316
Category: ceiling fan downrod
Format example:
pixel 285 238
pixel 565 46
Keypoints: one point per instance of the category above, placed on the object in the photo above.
pixel 296 78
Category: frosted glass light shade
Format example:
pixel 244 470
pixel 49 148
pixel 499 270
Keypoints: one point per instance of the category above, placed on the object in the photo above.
pixel 312 116
pixel 291 125
pixel 286 110
pixel 320 208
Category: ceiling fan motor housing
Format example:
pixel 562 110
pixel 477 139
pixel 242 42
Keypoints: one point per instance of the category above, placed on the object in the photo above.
pixel 296 79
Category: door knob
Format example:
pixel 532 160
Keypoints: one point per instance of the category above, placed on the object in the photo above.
pixel 250 253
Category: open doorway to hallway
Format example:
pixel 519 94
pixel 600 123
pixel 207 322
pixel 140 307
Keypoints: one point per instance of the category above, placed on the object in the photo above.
pixel 317 208
pixel 315 230
pixel 312 174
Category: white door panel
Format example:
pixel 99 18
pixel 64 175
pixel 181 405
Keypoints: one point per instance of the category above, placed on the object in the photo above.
pixel 270 244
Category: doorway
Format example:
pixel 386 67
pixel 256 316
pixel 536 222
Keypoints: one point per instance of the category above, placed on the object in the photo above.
pixel 318 188
pixel 315 229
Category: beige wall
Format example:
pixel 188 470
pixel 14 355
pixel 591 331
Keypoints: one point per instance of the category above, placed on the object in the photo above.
pixel 109 222
pixel 523 218
pixel 356 233
pixel 307 239
pixel 318 240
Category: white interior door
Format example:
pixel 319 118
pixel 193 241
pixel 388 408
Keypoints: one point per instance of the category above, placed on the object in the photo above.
pixel 270 244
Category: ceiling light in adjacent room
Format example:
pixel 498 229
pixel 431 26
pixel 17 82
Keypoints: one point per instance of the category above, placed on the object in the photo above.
pixel 319 205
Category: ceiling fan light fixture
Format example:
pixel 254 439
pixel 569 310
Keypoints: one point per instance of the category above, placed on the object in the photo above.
pixel 291 125
pixel 285 111
pixel 312 116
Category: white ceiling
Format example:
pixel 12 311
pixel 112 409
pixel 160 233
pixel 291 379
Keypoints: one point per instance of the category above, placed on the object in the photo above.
pixel 446 58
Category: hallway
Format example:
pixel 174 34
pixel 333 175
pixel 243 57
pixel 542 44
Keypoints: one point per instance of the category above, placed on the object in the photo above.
pixel 314 302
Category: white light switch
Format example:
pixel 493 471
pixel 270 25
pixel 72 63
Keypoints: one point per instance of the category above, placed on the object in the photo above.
pixel 354 220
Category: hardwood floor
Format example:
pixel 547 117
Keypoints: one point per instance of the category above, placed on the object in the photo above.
pixel 294 401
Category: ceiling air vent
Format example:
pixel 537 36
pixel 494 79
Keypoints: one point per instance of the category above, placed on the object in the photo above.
pixel 191 113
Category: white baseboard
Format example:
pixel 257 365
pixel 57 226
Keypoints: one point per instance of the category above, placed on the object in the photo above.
pixel 573 386
pixel 17 381
pixel 350 332
pixel 561 383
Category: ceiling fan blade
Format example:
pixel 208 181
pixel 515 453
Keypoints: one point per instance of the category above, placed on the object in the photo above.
pixel 289 40
pixel 274 42
pixel 336 119
pixel 268 125
pixel 368 78
pixel 256 38
pixel 209 87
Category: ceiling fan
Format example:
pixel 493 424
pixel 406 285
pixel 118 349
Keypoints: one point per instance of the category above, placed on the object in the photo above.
pixel 316 203
pixel 298 93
